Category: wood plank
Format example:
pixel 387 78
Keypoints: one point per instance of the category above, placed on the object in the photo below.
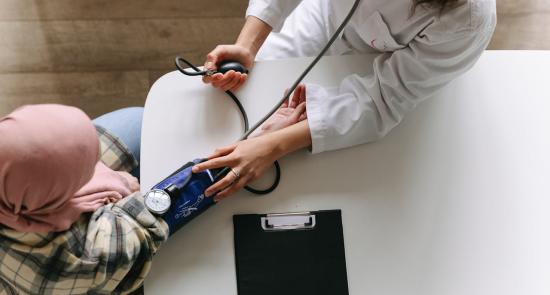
pixel 103 45
pixel 522 31
pixel 155 75
pixel 128 9
pixel 118 9
pixel 523 6
pixel 95 92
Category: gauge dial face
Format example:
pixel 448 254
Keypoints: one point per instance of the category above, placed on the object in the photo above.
pixel 157 201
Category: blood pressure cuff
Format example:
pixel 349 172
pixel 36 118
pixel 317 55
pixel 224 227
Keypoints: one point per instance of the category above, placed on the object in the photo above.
pixel 189 200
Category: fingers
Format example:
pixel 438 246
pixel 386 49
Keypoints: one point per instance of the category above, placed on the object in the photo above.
pixel 225 79
pixel 212 59
pixel 298 96
pixel 294 100
pixel 228 81
pixel 227 191
pixel 234 80
pixel 214 78
pixel 241 82
pixel 302 94
pixel 210 64
pixel 223 151
pixel 298 111
pixel 224 161
pixel 220 185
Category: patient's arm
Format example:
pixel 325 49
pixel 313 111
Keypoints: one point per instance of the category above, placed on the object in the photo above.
pixel 291 112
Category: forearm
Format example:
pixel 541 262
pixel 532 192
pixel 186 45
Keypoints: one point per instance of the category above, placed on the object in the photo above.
pixel 291 138
pixel 253 34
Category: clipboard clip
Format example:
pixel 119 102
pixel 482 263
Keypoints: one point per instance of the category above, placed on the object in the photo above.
pixel 288 221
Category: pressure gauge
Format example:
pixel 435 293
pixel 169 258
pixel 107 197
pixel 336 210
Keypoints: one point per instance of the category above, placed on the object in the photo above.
pixel 157 201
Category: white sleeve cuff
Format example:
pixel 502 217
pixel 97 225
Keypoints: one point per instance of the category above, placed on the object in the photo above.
pixel 315 95
pixel 342 117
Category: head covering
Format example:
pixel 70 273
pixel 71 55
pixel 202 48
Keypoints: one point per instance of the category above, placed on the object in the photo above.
pixel 49 169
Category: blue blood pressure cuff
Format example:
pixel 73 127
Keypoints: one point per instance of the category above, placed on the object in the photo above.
pixel 186 190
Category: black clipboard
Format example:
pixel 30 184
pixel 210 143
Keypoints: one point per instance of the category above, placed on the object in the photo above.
pixel 290 253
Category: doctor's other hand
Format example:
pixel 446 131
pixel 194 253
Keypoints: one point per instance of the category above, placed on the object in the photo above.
pixel 248 159
pixel 291 112
pixel 231 80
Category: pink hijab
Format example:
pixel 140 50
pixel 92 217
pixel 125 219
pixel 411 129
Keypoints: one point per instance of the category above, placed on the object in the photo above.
pixel 49 169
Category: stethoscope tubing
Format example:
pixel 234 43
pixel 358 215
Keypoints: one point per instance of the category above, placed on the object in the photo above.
pixel 247 130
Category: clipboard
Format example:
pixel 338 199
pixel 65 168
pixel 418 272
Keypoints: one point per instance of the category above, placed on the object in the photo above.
pixel 290 253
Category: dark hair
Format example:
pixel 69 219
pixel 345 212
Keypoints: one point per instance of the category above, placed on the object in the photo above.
pixel 440 4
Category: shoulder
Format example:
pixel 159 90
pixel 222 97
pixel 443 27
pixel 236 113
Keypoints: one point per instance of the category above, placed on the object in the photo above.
pixel 464 19
pixel 471 16
pixel 483 14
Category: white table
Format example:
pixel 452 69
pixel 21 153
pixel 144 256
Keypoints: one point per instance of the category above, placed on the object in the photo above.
pixel 455 200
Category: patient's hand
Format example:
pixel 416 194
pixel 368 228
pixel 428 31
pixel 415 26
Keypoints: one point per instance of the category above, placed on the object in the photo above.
pixel 131 181
pixel 291 112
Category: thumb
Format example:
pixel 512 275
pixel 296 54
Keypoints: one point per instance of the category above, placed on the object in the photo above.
pixel 212 59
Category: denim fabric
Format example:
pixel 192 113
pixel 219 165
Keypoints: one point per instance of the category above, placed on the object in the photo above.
pixel 126 125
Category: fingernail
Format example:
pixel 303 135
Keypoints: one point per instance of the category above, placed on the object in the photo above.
pixel 195 169
pixel 207 193
pixel 208 65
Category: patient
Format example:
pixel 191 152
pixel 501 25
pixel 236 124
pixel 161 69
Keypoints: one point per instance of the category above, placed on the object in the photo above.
pixel 68 223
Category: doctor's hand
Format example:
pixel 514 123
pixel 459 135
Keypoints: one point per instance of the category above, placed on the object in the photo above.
pixel 248 159
pixel 231 80
pixel 291 112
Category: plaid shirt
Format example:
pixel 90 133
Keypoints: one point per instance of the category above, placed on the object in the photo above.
pixel 108 251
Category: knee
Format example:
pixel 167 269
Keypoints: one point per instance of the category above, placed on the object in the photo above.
pixel 134 112
pixel 132 115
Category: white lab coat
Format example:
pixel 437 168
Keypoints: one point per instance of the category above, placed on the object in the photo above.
pixel 421 53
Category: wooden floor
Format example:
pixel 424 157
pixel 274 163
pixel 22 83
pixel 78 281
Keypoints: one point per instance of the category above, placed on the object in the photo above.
pixel 101 55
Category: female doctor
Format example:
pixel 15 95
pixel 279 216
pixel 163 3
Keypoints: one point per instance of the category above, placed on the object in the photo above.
pixel 424 44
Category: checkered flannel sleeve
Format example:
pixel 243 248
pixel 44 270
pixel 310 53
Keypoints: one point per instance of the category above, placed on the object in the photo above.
pixel 114 153
pixel 107 252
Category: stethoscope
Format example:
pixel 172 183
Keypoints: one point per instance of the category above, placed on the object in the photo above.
pixel 226 66
pixel 223 68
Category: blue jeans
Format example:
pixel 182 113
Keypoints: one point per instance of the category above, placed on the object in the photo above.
pixel 126 125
